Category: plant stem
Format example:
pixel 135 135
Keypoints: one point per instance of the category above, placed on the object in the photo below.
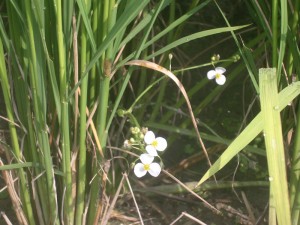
pixel 25 195
pixel 274 32
pixel 81 176
pixel 108 20
pixel 36 74
pixel 65 146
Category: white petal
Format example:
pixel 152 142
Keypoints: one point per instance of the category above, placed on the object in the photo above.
pixel 211 74
pixel 151 150
pixel 139 170
pixel 161 144
pixel 146 158
pixel 154 169
pixel 221 80
pixel 149 137
pixel 220 70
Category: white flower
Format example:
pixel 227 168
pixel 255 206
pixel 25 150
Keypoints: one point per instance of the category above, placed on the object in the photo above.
pixel 217 74
pixel 154 144
pixel 147 165
pixel 127 144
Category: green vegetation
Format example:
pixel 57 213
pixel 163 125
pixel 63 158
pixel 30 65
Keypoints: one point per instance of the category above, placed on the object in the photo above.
pixel 81 80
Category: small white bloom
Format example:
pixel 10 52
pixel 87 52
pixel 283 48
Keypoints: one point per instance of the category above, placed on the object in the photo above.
pixel 127 144
pixel 218 75
pixel 154 144
pixel 147 165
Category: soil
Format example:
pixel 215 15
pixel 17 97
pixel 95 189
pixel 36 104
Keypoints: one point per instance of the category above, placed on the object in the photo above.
pixel 163 206
pixel 185 209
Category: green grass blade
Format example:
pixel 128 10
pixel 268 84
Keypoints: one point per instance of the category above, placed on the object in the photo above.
pixel 37 79
pixel 250 132
pixel 274 32
pixel 204 136
pixel 81 174
pixel 140 26
pixel 3 35
pixel 274 145
pixel 194 36
pixel 293 65
pixel 25 195
pixel 283 34
pixel 294 49
pixel 68 10
pixel 65 135
pixel 192 93
pixel 136 55
pixel 248 66
pixel 87 24
pixel 13 166
pixel 177 23
pixel 262 18
pixel 127 16
pixel 17 10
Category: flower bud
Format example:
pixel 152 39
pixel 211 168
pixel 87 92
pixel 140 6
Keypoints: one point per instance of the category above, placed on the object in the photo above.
pixel 135 130
pixel 121 112
pixel 236 58
pixel 215 57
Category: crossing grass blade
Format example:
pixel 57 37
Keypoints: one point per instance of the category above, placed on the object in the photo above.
pixel 125 18
pixel 176 23
pixel 250 132
pixel 194 36
pixel 13 166
pixel 243 53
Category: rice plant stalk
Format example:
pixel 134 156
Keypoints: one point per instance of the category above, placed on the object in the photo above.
pixel 65 138
pixel 108 9
pixel 37 80
pixel 81 175
pixel 25 195
pixel 20 78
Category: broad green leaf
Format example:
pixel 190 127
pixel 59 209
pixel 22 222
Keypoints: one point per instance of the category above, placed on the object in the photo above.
pixel 279 198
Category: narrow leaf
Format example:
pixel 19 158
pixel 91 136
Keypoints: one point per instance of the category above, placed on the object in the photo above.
pixel 250 132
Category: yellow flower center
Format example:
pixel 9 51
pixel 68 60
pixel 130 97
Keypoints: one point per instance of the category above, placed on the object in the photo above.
pixel 218 76
pixel 146 167
pixel 154 143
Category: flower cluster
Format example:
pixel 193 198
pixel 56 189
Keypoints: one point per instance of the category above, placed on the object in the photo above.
pixel 150 145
